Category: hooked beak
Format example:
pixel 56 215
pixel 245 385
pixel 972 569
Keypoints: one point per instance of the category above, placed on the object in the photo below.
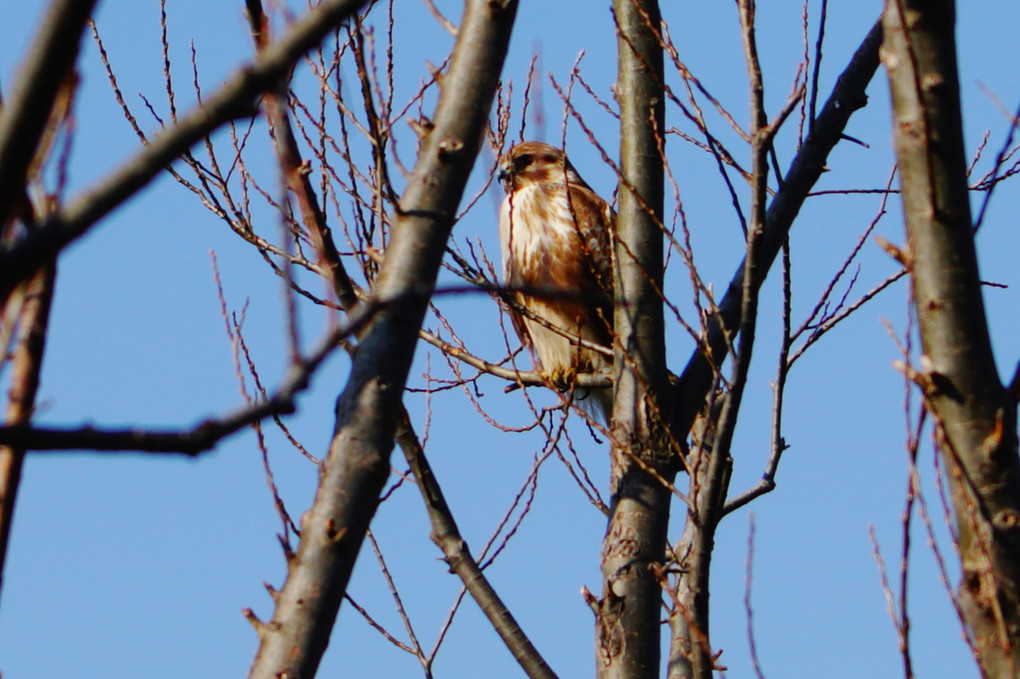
pixel 504 176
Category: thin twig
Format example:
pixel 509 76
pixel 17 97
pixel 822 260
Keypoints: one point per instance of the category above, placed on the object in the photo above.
pixel 447 537
pixel 749 612
pixel 194 441
pixel 233 100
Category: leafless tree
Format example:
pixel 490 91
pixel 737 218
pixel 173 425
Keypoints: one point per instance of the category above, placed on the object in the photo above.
pixel 361 221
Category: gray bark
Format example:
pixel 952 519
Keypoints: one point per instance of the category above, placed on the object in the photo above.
pixel 975 415
pixel 354 472
pixel 627 643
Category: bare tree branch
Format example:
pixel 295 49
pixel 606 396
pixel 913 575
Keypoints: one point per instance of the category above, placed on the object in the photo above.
pixel 447 537
pixel 191 442
pixel 26 113
pixel 235 99
pixel 368 410
pixel 27 367
pixel 708 490
pixel 731 329
pixel 296 175
pixel 445 532
pixel 975 416
pixel 847 97
pixel 520 378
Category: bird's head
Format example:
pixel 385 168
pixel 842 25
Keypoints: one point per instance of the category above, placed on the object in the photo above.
pixel 533 161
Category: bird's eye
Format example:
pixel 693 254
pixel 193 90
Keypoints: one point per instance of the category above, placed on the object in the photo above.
pixel 522 161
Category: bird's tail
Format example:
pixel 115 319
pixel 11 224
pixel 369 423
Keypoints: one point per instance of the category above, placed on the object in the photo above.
pixel 597 402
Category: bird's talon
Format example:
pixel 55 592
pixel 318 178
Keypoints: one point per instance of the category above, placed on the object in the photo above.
pixel 562 379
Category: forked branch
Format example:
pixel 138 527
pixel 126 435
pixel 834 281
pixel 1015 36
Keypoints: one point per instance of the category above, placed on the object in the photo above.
pixel 235 99
pixel 368 410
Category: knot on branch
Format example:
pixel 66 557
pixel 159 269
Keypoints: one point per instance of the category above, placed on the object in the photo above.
pixel 610 632
pixel 1007 520
pixel 333 534
pixel 450 149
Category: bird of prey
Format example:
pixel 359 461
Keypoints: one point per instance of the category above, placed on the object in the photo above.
pixel 556 235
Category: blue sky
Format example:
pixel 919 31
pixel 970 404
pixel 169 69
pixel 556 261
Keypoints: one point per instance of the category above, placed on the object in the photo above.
pixel 140 567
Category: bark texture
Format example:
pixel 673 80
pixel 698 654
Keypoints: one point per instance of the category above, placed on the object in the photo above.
pixel 628 613
pixel 353 473
pixel 974 413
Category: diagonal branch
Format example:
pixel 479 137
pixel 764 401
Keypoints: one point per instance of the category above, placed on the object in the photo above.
pixel 847 97
pixel 369 409
pixel 26 113
pixel 447 537
pixel 235 99
pixel 295 175
pixel 444 528
pixel 192 442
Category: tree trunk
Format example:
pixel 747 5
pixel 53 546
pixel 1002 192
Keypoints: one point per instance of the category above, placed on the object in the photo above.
pixel 627 643
pixel 975 416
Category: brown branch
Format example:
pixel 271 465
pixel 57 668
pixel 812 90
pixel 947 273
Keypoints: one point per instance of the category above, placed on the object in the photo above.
pixel 847 97
pixel 368 411
pixel 519 378
pixel 777 446
pixel 709 490
pixel 26 368
pixel 235 99
pixel 416 649
pixel 26 112
pixel 296 175
pixel 447 537
pixel 752 645
pixel 191 442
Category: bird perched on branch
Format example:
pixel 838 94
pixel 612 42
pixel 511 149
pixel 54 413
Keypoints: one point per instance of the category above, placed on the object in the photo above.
pixel 556 236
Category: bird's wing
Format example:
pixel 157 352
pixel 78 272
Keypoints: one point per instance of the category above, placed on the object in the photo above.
pixel 595 221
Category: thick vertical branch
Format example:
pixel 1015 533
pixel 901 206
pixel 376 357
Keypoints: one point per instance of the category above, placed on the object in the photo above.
pixel 692 640
pixel 356 468
pixel 25 371
pixel 975 417
pixel 628 613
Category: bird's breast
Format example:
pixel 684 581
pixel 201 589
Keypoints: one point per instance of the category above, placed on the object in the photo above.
pixel 532 220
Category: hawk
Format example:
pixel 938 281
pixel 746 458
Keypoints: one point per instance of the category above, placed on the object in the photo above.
pixel 556 234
